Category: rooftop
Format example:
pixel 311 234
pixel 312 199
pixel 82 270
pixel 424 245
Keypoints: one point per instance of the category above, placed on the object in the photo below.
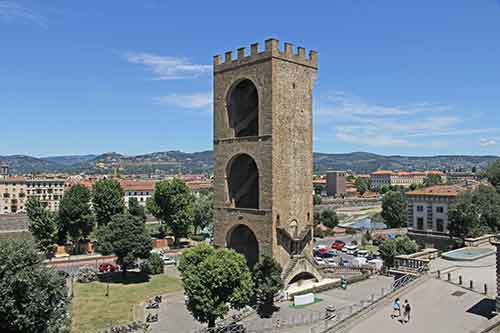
pixel 438 190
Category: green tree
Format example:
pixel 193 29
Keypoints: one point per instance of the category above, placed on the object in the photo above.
pixel 433 179
pixel 153 265
pixel 362 185
pixel 135 209
pixel 203 211
pixel 107 200
pixel 475 213
pixel 214 280
pixel 43 225
pixel 33 296
pixel 394 209
pixel 493 174
pixel 75 215
pixel 413 186
pixel 268 282
pixel 317 199
pixel 173 205
pixel 391 248
pixel 384 189
pixel 328 218
pixel 127 238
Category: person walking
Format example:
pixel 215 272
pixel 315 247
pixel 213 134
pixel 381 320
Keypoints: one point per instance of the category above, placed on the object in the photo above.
pixel 396 309
pixel 406 311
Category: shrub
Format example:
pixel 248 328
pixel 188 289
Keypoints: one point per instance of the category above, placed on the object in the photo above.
pixel 86 274
pixel 198 238
pixel 153 265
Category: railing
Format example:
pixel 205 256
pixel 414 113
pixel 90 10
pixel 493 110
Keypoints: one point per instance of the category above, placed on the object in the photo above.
pixel 411 264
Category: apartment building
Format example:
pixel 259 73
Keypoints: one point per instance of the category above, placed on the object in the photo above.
pixel 13 195
pixel 48 190
pixel 139 189
pixel 391 178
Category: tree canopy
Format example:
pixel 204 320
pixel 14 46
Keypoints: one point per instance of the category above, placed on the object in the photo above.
pixel 214 280
pixel 43 225
pixel 172 203
pixel 135 209
pixel 394 209
pixel 33 296
pixel 268 282
pixel 127 238
pixel 391 248
pixel 433 179
pixel 107 200
pixel 493 174
pixel 75 214
pixel 203 211
pixel 475 213
pixel 327 217
pixel 362 185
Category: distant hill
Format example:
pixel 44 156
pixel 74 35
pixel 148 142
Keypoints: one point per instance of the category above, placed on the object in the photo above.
pixel 200 162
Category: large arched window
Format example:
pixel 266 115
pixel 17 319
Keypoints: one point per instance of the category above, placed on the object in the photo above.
pixel 243 182
pixel 243 109
pixel 243 240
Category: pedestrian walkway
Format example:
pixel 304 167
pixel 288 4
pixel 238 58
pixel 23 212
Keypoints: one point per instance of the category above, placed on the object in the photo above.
pixel 437 306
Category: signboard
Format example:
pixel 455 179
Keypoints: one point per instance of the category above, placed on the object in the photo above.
pixel 303 299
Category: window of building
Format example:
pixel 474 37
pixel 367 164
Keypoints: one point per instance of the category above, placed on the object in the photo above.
pixel 440 209
pixel 429 224
pixel 420 223
pixel 440 225
pixel 420 208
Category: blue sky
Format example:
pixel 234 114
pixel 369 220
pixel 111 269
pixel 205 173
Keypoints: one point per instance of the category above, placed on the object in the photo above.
pixel 396 77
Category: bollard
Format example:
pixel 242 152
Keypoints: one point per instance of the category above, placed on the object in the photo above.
pixel 485 288
pixel 449 276
pixel 373 298
pixel 382 290
pixel 439 274
pixel 471 285
pixel 460 279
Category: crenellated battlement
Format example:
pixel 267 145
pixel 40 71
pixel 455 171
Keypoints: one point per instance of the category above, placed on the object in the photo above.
pixel 271 50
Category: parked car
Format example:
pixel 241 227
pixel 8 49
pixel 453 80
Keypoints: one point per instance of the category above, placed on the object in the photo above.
pixel 331 262
pixel 351 249
pixel 319 261
pixel 362 254
pixel 108 267
pixel 338 244
pixel 320 250
pixel 169 261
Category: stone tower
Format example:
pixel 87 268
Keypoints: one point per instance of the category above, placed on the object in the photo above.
pixel 263 164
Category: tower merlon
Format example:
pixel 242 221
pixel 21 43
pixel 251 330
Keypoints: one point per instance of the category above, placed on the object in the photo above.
pixel 271 50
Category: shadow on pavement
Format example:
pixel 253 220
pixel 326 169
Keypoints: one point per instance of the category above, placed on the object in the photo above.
pixel 130 278
pixel 484 308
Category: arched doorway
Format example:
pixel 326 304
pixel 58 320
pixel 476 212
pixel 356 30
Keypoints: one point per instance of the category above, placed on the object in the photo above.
pixel 243 182
pixel 243 109
pixel 303 276
pixel 243 240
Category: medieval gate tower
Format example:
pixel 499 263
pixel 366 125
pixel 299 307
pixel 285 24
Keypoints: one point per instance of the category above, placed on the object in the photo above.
pixel 263 155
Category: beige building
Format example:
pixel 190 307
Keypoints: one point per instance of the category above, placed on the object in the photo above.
pixel 139 189
pixel 391 178
pixel 48 190
pixel 13 195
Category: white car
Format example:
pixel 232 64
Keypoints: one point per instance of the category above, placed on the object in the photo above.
pixel 362 254
pixel 351 249
pixel 319 261
pixel 331 262
pixel 169 261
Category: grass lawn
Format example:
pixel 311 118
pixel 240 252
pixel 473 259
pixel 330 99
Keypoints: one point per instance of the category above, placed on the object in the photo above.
pixel 91 310
pixel 370 248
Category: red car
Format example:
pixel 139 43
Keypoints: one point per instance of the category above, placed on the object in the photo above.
pixel 338 245
pixel 107 267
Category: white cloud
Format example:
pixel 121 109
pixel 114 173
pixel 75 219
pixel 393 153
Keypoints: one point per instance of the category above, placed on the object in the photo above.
pixel 168 68
pixel 411 125
pixel 10 10
pixel 487 142
pixel 186 101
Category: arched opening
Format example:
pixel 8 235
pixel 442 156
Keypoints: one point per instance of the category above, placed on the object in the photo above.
pixel 243 109
pixel 243 240
pixel 243 182
pixel 303 276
